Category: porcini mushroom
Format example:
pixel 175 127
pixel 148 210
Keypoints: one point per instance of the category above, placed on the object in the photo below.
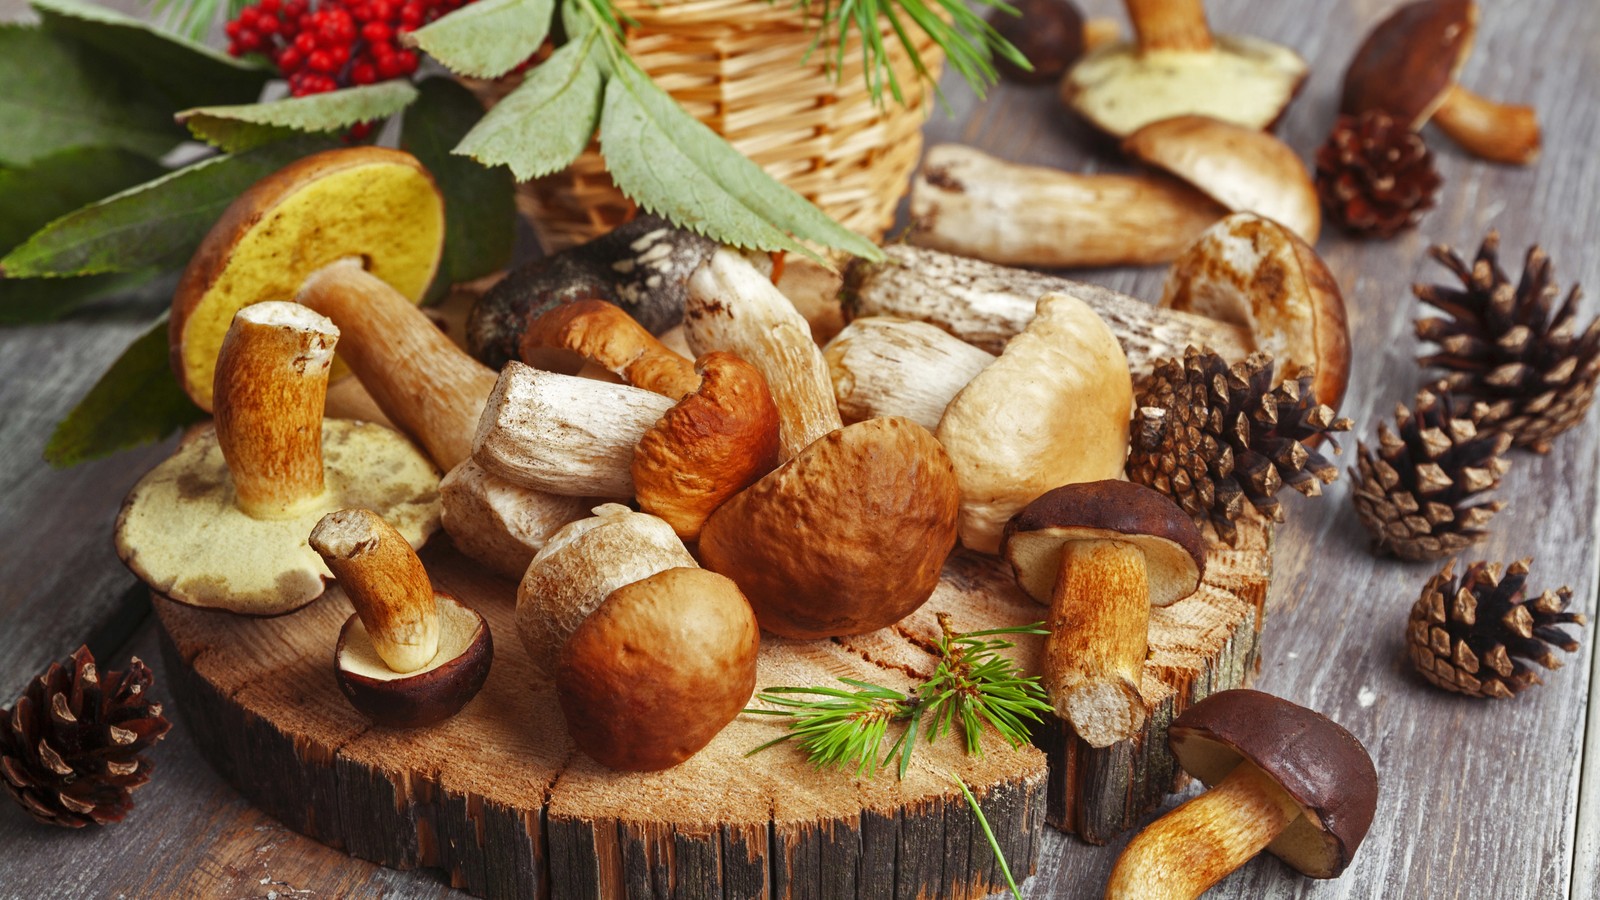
pixel 409 655
pixel 883 366
pixel 1281 777
pixel 1175 67
pixel 498 523
pixel 594 331
pixel 223 522
pixel 1101 554
pixel 1408 66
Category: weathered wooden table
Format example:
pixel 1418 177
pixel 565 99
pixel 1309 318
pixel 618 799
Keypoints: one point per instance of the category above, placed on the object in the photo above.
pixel 1478 798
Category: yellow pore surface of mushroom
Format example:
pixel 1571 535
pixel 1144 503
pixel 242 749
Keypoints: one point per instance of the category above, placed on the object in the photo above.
pixel 458 628
pixel 181 531
pixel 388 213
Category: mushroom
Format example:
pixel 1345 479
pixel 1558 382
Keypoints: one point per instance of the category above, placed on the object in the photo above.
pixel 409 656
pixel 986 305
pixel 655 672
pixel 1101 554
pixel 566 336
pixel 223 522
pixel 1051 34
pixel 1052 409
pixel 1408 66
pixel 883 366
pixel 1280 777
pixel 1177 67
pixel 498 523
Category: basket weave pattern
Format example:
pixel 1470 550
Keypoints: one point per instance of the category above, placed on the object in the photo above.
pixel 741 67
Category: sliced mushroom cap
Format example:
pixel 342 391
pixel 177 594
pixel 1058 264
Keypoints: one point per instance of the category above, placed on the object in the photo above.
pixel 1254 272
pixel 1407 64
pixel 1316 762
pixel 427 695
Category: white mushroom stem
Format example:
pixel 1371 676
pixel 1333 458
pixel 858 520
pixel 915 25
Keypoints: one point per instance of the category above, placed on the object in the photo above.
pixel 966 202
pixel 1183 853
pixel 564 434
pixel 733 307
pixel 1099 635
pixel 883 366
pixel 421 380
pixel 986 305
pixel 385 582
pixel 270 388
pixel 1170 25
pixel 499 523
pixel 1500 132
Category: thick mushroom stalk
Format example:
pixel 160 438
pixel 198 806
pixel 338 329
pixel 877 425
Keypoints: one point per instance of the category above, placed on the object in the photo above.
pixel 1099 635
pixel 601 333
pixel 883 366
pixel 1498 132
pixel 1170 25
pixel 385 582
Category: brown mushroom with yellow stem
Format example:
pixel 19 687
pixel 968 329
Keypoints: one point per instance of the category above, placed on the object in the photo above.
pixel 223 523
pixel 1176 67
pixel 409 656
pixel 1281 778
pixel 1407 67
pixel 1101 554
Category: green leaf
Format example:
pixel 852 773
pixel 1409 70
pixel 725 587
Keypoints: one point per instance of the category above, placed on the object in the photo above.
pixel 57 94
pixel 544 124
pixel 249 125
pixel 135 402
pixel 158 223
pixel 671 164
pixel 58 184
pixel 480 211
pixel 27 301
pixel 488 38
pixel 189 73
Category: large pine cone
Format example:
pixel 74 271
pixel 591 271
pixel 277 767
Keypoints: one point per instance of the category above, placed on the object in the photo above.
pixel 1511 345
pixel 1374 176
pixel 1211 437
pixel 69 749
pixel 1470 636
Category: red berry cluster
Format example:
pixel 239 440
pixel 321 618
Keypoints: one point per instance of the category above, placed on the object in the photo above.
pixel 337 43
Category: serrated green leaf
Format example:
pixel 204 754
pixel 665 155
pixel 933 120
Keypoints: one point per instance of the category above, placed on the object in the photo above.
pixel 488 38
pixel 28 301
pixel 30 197
pixel 158 223
pixel 671 164
pixel 544 124
pixel 480 213
pixel 189 73
pixel 57 94
pixel 249 125
pixel 135 402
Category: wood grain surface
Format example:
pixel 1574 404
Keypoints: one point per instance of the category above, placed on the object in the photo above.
pixel 1477 798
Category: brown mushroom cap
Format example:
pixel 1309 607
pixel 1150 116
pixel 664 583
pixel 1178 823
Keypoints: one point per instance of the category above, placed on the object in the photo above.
pixel 847 537
pixel 1317 763
pixel 430 694
pixel 1407 64
pixel 659 669
pixel 1174 550
pixel 594 331
pixel 716 442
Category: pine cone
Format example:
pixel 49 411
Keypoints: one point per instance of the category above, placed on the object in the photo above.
pixel 1463 636
pixel 1212 437
pixel 69 749
pixel 1511 346
pixel 1374 176
pixel 1413 494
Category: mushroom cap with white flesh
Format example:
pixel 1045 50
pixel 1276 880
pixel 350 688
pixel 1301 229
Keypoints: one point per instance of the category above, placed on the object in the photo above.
pixel 371 203
pixel 430 694
pixel 182 531
pixel 1251 271
pixel 581 565
pixel 847 537
pixel 500 524
pixel 1244 169
pixel 658 669
pixel 1053 409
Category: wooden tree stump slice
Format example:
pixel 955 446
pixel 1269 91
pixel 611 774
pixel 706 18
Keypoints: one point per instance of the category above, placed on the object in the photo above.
pixel 500 799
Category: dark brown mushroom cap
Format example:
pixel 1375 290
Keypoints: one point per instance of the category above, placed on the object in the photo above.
pixel 1408 63
pixel 1315 761
pixel 1174 550
pixel 431 694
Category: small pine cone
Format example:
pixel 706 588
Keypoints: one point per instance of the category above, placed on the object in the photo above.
pixel 1212 437
pixel 1511 345
pixel 1414 494
pixel 1470 636
pixel 1374 176
pixel 69 748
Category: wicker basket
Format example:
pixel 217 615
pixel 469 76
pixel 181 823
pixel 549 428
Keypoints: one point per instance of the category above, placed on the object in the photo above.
pixel 741 67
